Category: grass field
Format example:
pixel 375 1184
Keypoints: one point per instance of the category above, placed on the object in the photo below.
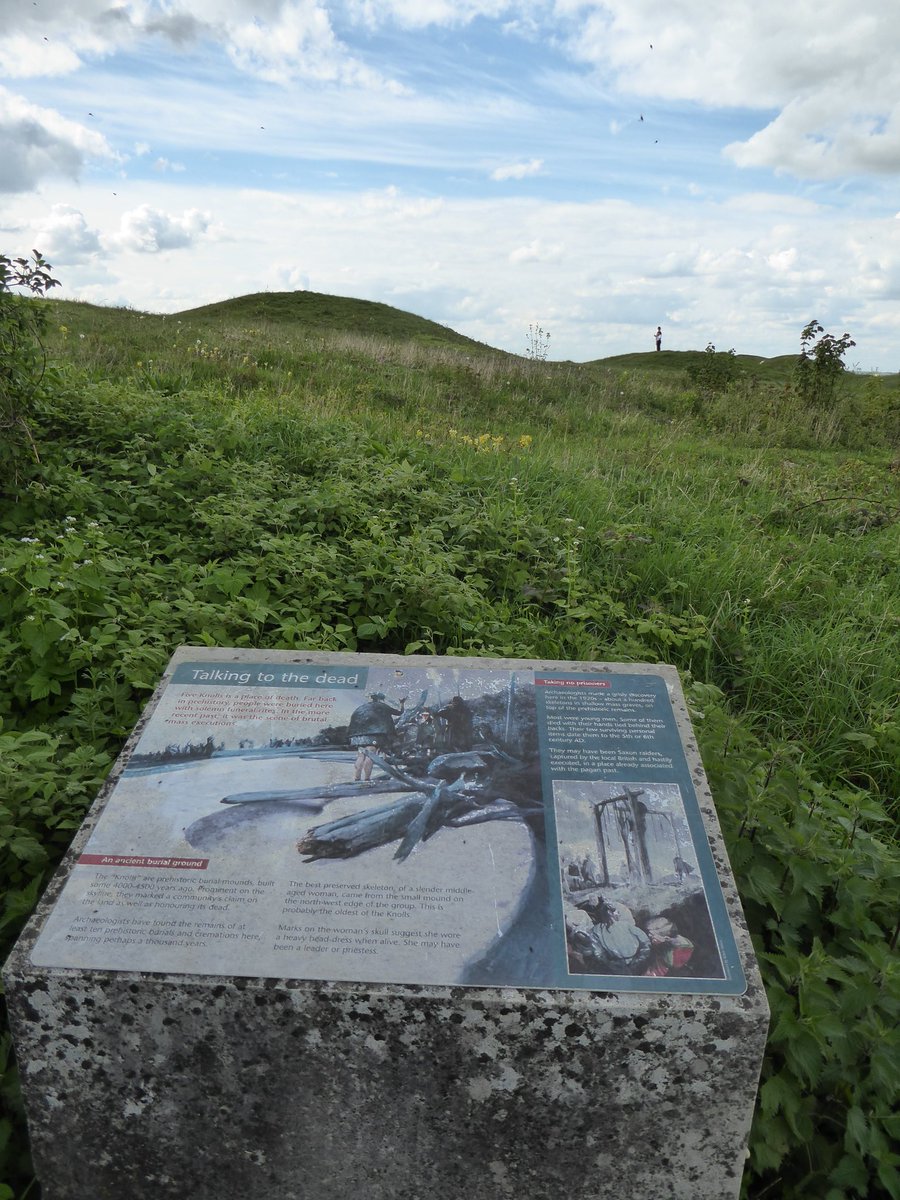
pixel 289 471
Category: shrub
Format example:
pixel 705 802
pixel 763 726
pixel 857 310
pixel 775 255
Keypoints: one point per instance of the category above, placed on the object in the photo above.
pixel 715 370
pixel 22 357
pixel 820 365
pixel 816 867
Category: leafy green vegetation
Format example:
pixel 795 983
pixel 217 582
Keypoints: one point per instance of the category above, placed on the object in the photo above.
pixel 820 367
pixel 22 361
pixel 242 476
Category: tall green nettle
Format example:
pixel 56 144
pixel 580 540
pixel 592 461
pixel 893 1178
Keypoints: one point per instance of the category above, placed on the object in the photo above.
pixel 22 357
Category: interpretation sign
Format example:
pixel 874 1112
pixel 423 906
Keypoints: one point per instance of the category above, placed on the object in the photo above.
pixel 427 824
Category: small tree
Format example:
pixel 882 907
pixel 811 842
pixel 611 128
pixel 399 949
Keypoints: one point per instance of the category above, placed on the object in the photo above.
pixel 22 357
pixel 715 370
pixel 820 365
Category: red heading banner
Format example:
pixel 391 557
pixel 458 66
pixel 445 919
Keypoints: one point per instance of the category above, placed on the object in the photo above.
pixel 138 860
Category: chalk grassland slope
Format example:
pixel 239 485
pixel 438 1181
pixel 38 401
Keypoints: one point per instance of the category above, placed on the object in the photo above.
pixel 671 379
pixel 412 371
pixel 693 367
pixel 240 480
pixel 316 312
pixel 667 362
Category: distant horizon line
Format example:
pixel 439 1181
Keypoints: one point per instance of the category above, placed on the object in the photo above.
pixel 855 369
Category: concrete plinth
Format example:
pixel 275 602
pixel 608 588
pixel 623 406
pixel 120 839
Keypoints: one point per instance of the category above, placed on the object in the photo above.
pixel 225 1089
pixel 156 1084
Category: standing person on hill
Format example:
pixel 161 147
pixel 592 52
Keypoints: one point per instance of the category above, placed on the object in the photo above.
pixel 658 336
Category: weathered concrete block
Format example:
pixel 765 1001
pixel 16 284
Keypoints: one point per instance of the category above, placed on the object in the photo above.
pixel 201 1077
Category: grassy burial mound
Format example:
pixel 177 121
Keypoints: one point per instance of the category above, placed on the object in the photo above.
pixel 313 312
pixel 289 471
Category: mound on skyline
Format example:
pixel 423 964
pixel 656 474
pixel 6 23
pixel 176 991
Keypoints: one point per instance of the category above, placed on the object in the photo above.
pixel 320 313
pixel 333 314
pixel 323 313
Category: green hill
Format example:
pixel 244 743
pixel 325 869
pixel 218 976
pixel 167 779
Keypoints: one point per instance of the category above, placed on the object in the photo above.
pixel 317 312
pixel 668 363
pixel 303 313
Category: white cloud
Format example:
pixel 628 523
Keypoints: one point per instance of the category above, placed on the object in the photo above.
pixel 813 140
pixel 537 251
pixel 163 164
pixel 275 40
pixel 782 260
pixel 22 56
pixel 416 14
pixel 285 278
pixel 179 27
pixel 830 70
pixel 393 204
pixel 299 43
pixel 518 170
pixel 65 237
pixel 148 230
pixel 53 39
pixel 36 143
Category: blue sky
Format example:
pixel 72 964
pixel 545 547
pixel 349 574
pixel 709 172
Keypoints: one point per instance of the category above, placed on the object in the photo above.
pixel 483 163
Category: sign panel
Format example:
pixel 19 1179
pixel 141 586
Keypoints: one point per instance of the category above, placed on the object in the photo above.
pixel 409 824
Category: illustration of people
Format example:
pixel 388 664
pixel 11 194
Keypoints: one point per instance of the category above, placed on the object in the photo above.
pixel 615 945
pixel 484 732
pixel 426 734
pixel 658 337
pixel 589 872
pixel 682 868
pixel 572 876
pixel 669 950
pixel 371 730
pixel 457 718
